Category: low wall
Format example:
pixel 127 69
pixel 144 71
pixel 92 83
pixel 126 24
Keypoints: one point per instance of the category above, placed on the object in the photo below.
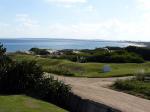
pixel 78 104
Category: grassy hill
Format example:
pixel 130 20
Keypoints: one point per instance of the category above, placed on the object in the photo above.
pixel 21 103
pixel 61 67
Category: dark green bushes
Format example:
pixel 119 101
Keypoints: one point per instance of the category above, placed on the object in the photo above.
pixel 52 90
pixel 20 77
pixel 137 86
pixel 116 57
pixel 27 78
pixel 104 55
pixel 38 51
pixel 124 85
pixel 144 52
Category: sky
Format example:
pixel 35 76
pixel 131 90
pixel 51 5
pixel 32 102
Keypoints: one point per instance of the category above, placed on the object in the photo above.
pixel 76 19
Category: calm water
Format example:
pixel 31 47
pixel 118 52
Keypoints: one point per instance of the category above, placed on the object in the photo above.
pixel 25 44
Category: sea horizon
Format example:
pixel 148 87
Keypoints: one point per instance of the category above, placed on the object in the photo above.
pixel 24 44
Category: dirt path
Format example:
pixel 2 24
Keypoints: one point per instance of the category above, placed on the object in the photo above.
pixel 95 89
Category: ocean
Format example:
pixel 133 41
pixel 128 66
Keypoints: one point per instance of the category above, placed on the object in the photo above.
pixel 13 45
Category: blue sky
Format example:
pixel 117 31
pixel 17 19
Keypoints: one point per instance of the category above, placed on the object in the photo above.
pixel 79 19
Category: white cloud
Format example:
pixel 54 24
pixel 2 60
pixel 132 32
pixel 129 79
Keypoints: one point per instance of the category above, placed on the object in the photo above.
pixel 25 20
pixel 26 25
pixel 111 29
pixel 90 8
pixel 143 4
pixel 67 3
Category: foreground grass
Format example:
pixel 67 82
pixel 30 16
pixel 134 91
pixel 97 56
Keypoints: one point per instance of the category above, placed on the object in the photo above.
pixel 21 103
pixel 84 69
pixel 135 87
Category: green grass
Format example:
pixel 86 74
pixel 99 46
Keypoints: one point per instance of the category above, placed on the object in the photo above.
pixel 21 103
pixel 85 69
pixel 135 87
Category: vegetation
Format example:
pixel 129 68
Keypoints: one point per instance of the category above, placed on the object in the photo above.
pixel 129 54
pixel 21 103
pixel 103 55
pixel 38 51
pixel 20 77
pixel 144 52
pixel 140 85
pixel 26 77
pixel 63 67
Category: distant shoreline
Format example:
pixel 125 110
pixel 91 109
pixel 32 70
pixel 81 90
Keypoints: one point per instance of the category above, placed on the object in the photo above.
pixel 24 44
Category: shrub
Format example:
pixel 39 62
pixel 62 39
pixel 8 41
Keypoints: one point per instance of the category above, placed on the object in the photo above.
pixel 20 77
pixel 38 51
pixel 102 55
pixel 144 52
pixel 2 50
pixel 52 90
pixel 142 76
pixel 134 86
pixel 4 60
pixel 124 85
pixel 27 77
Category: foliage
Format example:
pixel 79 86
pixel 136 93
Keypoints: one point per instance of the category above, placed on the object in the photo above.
pixel 114 48
pixel 52 90
pixel 104 55
pixel 2 50
pixel 38 51
pixel 144 52
pixel 83 69
pixel 4 60
pixel 20 77
pixel 124 85
pixel 26 77
pixel 115 57
pixel 134 86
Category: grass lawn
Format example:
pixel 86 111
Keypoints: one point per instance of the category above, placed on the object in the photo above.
pixel 21 103
pixel 85 69
pixel 134 87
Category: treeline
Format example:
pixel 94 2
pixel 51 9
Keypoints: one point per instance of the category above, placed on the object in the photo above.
pixel 38 51
pixel 144 52
pixel 130 54
pixel 28 78
pixel 106 55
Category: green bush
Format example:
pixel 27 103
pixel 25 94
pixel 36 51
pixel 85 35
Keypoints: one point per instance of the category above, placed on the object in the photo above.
pixel 4 60
pixel 52 90
pixel 20 77
pixel 26 77
pixel 38 51
pixel 141 76
pixel 134 86
pixel 60 71
pixel 102 55
pixel 124 85
pixel 144 52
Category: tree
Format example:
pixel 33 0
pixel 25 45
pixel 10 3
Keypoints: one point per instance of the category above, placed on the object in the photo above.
pixel 2 50
pixel 4 60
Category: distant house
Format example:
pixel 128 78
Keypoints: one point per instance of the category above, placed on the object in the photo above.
pixel 106 49
pixel 76 52
pixel 106 68
pixel 55 52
